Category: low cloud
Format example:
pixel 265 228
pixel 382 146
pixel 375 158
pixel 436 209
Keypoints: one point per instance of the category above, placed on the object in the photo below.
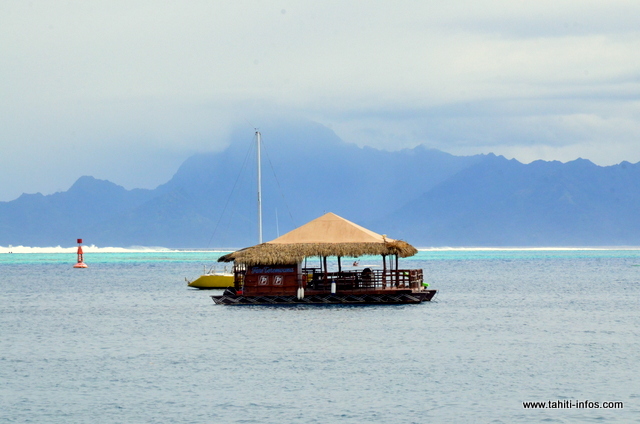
pixel 125 91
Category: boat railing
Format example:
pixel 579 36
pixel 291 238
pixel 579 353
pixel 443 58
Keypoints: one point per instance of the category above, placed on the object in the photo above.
pixel 366 279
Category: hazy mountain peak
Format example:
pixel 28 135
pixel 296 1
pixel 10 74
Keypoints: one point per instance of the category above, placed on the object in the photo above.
pixel 423 195
pixel 582 162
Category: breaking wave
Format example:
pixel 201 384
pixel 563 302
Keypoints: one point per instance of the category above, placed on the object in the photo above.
pixel 87 249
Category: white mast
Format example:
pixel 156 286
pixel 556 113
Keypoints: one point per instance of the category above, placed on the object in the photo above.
pixel 259 190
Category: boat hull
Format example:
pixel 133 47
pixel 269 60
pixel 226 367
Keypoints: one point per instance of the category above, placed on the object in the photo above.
pixel 212 281
pixel 327 299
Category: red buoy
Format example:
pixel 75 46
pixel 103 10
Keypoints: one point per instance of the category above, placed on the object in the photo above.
pixel 80 263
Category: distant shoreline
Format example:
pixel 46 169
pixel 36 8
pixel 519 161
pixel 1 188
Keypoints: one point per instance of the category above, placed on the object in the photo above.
pixel 515 248
pixel 142 249
pixel 96 249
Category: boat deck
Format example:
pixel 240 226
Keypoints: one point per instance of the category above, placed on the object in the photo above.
pixel 363 298
pixel 365 286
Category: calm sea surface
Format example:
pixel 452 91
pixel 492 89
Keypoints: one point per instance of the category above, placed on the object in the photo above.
pixel 125 341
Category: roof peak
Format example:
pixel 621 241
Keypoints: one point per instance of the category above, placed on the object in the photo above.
pixel 330 228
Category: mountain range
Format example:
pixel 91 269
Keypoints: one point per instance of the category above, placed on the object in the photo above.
pixel 424 196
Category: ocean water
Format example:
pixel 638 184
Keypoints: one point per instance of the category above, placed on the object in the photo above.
pixel 125 341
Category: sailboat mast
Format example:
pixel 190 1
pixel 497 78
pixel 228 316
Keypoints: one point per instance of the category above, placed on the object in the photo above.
pixel 259 189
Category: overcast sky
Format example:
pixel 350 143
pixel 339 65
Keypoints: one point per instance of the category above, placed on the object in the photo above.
pixel 126 90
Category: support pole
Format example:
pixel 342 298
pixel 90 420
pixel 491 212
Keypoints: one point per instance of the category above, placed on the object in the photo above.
pixel 324 261
pixel 384 271
pixel 258 139
pixel 397 271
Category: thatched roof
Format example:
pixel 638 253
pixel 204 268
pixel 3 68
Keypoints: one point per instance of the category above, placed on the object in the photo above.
pixel 329 235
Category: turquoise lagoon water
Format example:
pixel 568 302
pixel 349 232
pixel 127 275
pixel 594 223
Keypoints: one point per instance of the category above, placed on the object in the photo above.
pixel 125 341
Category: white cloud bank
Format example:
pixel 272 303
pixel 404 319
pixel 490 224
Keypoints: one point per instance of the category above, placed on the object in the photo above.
pixel 127 90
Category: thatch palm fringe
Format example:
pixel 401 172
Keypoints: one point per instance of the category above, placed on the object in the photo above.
pixel 280 254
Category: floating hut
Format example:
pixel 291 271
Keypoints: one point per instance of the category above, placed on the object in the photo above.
pixel 276 272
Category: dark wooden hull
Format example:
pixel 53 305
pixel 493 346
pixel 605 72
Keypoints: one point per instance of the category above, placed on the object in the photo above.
pixel 328 299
